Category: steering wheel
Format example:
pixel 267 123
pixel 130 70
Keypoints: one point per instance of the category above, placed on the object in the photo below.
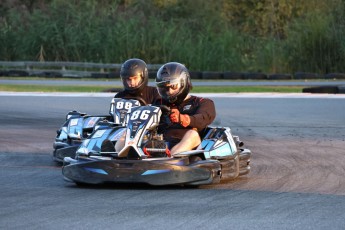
pixel 165 109
pixel 140 99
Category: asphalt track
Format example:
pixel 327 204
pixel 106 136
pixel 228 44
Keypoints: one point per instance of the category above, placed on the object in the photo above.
pixel 297 179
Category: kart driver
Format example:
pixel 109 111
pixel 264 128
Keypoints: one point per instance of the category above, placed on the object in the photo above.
pixel 189 115
pixel 134 76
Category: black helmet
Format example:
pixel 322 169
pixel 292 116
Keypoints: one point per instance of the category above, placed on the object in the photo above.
pixel 170 74
pixel 134 67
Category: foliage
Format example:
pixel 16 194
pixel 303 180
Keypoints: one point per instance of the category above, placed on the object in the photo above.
pixel 224 35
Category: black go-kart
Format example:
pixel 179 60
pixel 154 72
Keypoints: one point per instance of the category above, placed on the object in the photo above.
pixel 145 157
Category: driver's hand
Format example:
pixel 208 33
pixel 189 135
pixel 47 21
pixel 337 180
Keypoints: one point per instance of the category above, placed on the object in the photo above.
pixel 176 117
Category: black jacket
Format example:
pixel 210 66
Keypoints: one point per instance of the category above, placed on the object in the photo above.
pixel 149 94
pixel 202 112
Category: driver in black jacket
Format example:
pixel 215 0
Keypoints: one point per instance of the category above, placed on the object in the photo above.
pixel 189 115
pixel 134 76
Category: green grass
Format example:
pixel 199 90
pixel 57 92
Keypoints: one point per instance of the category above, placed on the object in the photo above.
pixel 196 89
pixel 247 89
pixel 48 88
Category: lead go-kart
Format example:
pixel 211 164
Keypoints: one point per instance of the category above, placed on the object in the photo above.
pixel 145 158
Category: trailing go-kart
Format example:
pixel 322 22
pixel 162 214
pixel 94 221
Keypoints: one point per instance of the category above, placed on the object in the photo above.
pixel 145 157
pixel 79 126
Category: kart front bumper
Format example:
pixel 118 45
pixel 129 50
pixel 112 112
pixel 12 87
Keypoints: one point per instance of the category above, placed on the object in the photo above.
pixel 163 171
pixel 62 150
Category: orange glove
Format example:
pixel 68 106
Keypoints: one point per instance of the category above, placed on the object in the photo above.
pixel 176 117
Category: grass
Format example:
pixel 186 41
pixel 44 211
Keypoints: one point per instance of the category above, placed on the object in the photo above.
pixel 247 89
pixel 196 89
pixel 48 88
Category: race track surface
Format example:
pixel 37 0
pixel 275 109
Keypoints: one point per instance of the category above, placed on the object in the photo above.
pixel 297 178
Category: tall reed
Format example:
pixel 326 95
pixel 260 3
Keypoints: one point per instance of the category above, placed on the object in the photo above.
pixel 201 35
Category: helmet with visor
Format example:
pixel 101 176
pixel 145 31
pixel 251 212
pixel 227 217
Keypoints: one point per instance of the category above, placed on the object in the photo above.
pixel 173 82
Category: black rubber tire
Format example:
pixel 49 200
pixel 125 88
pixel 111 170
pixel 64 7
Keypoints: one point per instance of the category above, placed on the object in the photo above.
pixel 113 75
pixel 3 73
pixel 99 75
pixel 255 76
pixel 195 74
pixel 335 76
pixel 18 73
pixel 302 76
pixel 208 75
pixel 233 76
pixel 278 76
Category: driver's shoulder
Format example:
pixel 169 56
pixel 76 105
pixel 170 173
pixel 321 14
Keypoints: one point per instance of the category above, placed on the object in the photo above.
pixel 120 94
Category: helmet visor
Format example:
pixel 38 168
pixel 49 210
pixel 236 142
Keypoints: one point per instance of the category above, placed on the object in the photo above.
pixel 169 88
pixel 173 84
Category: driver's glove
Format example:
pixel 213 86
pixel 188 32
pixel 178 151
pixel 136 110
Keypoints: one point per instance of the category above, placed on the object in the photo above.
pixel 177 117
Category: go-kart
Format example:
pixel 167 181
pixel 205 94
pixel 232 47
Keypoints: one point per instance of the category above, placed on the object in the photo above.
pixel 145 157
pixel 79 126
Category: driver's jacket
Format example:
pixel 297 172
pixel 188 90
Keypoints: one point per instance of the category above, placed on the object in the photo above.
pixel 200 110
pixel 149 94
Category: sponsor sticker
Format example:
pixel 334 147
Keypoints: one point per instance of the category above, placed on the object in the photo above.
pixel 74 122
pixel 186 107
pixel 99 133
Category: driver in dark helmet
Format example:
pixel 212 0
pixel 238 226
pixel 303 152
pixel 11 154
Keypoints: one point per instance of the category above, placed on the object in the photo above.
pixel 189 115
pixel 134 76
